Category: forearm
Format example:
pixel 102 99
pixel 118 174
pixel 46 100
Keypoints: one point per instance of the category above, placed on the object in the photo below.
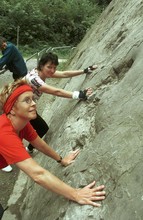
pixel 67 73
pixel 5 57
pixel 42 146
pixel 66 94
pixel 72 73
pixel 46 179
pixel 55 91
pixel 54 184
pixel 63 93
pixel 2 62
pixel 85 196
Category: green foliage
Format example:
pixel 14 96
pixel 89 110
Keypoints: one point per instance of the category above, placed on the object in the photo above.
pixel 68 20
pixel 25 14
pixel 46 22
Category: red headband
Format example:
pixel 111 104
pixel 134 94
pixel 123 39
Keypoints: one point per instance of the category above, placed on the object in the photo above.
pixel 13 97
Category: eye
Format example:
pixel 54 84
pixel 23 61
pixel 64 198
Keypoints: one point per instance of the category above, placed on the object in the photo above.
pixel 28 100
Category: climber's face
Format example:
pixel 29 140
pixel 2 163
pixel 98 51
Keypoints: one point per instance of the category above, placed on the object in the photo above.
pixel 48 69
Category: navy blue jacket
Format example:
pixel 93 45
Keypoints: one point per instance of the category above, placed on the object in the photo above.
pixel 13 60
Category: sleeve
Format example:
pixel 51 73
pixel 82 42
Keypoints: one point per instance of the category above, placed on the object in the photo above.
pixel 34 80
pixel 28 133
pixel 6 56
pixel 12 149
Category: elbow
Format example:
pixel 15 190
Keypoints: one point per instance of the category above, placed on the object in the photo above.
pixel 58 92
pixel 38 177
pixel 65 75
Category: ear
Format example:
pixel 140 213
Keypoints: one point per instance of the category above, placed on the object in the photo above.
pixel 4 45
pixel 12 112
pixel 41 67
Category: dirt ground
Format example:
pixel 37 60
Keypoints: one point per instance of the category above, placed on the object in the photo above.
pixel 7 181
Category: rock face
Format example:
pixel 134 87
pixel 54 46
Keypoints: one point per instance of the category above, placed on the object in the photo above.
pixel 108 128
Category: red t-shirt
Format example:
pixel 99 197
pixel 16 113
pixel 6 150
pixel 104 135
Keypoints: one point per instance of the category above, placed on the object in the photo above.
pixel 12 149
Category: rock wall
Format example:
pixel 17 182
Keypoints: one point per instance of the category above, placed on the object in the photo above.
pixel 108 128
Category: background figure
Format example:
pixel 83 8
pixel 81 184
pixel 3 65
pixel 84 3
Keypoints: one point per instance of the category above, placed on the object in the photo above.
pixel 36 78
pixel 12 59
pixel 19 108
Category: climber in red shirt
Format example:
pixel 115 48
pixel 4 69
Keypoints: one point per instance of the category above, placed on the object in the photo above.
pixel 19 108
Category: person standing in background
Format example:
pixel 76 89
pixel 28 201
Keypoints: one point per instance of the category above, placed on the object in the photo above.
pixel 12 59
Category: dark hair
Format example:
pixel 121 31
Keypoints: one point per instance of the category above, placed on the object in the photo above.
pixel 48 57
pixel 2 40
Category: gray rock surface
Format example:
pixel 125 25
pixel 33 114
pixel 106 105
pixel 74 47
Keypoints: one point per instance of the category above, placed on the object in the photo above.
pixel 108 128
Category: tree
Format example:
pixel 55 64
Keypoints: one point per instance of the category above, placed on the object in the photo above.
pixel 55 22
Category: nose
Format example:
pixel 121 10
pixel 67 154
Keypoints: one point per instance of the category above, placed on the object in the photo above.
pixel 53 70
pixel 33 102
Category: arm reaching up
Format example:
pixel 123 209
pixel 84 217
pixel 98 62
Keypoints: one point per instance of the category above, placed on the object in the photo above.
pixel 42 146
pixel 72 73
pixel 89 195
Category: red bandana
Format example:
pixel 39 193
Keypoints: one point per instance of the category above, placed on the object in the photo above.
pixel 13 97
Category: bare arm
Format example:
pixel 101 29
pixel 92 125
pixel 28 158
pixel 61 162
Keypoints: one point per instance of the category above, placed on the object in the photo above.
pixel 67 74
pixel 55 91
pixel 72 73
pixel 42 146
pixel 65 94
pixel 87 195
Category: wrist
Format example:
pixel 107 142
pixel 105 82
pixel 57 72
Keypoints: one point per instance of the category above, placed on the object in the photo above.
pixel 86 70
pixel 82 94
pixel 76 195
pixel 75 95
pixel 60 160
pixel 89 69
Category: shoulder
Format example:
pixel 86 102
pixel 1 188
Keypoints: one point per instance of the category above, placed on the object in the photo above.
pixel 33 73
pixel 10 45
pixel 4 123
pixel 34 79
pixel 7 132
pixel 9 48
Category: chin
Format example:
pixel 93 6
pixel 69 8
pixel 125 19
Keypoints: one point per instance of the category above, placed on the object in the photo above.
pixel 33 116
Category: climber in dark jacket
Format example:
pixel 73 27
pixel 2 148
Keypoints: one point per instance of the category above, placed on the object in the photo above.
pixel 12 59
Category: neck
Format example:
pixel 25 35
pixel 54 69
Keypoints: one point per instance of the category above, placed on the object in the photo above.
pixel 17 123
pixel 41 75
